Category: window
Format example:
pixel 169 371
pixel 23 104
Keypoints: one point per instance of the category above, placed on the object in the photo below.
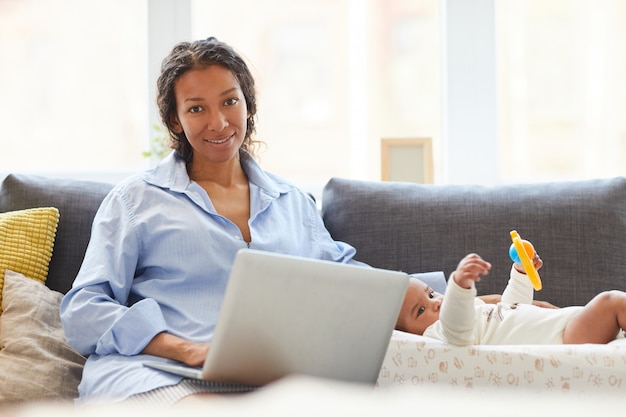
pixel 73 83
pixel 333 78
pixel 562 71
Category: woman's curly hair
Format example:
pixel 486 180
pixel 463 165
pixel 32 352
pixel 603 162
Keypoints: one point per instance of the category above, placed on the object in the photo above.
pixel 187 56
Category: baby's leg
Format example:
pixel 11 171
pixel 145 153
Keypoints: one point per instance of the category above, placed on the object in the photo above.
pixel 599 321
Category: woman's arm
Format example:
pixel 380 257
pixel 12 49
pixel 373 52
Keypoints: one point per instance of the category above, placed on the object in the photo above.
pixel 169 346
pixel 96 314
pixel 491 298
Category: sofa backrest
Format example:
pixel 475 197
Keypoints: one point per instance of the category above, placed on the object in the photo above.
pixel 77 202
pixel 577 227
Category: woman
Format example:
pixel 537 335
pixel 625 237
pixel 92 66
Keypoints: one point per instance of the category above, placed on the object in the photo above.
pixel 163 242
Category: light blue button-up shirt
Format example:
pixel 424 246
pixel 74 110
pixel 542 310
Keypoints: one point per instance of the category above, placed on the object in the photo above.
pixel 159 260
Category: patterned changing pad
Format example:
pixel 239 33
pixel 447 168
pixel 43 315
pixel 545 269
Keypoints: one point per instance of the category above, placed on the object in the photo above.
pixel 413 360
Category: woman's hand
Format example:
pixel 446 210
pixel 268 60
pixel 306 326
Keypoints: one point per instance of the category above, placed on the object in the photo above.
pixel 169 346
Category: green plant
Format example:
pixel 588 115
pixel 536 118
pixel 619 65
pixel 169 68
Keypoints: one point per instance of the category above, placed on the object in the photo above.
pixel 158 144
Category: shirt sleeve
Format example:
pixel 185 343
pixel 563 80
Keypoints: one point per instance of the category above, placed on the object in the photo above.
pixel 95 312
pixel 326 247
pixel 519 289
pixel 457 317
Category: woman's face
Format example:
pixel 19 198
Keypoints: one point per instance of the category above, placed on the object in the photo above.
pixel 211 110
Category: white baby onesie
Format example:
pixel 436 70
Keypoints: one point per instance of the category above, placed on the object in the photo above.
pixel 466 320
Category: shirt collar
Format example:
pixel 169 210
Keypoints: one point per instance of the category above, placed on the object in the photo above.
pixel 171 173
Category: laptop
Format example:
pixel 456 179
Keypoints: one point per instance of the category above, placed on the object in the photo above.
pixel 284 315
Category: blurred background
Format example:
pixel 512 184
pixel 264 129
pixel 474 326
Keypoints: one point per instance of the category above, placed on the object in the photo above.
pixel 508 90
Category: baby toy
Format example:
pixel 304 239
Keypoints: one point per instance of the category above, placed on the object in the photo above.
pixel 522 252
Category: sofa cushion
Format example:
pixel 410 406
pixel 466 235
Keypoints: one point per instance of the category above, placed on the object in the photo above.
pixel 435 280
pixel 577 227
pixel 77 202
pixel 36 361
pixel 26 242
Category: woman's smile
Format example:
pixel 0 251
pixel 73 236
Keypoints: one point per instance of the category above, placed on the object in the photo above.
pixel 220 141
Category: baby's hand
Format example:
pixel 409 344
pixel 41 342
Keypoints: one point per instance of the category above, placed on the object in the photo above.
pixel 469 270
pixel 536 261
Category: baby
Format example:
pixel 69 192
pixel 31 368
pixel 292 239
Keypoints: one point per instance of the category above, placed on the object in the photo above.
pixel 463 319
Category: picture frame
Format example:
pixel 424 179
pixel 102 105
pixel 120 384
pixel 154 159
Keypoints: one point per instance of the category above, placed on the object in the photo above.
pixel 407 160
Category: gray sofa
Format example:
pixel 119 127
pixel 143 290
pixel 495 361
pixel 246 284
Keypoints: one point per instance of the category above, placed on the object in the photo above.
pixel 35 361
pixel 577 227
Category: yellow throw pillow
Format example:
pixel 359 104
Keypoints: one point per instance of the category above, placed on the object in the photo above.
pixel 26 242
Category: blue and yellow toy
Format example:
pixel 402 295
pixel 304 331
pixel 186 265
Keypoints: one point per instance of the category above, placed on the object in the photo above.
pixel 522 252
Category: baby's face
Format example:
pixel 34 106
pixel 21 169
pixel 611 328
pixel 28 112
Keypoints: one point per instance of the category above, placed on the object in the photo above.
pixel 420 308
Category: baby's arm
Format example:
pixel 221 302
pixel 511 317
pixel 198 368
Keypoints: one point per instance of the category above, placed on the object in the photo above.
pixel 519 288
pixel 469 270
pixel 457 317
